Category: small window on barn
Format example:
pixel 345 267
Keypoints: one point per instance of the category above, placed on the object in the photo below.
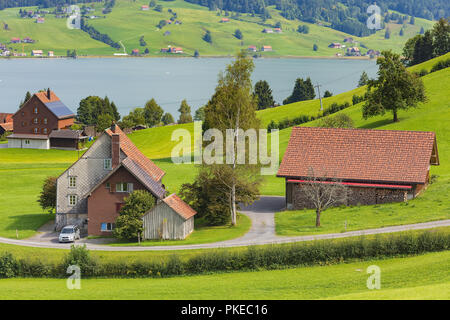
pixel 72 200
pixel 36 130
pixel 72 182
pixel 27 141
pixel 107 226
pixel 45 130
pixel 36 110
pixel 35 121
pixel 45 120
pixel 24 124
pixel 23 114
pixel 108 186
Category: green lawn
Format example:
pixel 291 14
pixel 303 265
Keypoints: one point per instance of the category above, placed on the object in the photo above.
pixel 419 277
pixel 202 234
pixel 127 23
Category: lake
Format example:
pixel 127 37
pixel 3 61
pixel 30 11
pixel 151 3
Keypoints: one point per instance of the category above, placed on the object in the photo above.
pixel 131 82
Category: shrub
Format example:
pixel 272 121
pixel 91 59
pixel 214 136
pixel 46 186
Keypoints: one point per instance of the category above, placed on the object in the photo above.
pixel 441 65
pixel 81 257
pixel 8 266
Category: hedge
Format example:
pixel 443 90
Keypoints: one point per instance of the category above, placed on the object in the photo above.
pixel 324 252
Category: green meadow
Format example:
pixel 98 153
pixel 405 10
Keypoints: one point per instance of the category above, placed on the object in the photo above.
pixel 127 23
pixel 418 277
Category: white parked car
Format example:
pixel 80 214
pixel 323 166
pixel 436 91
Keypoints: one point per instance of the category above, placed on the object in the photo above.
pixel 69 234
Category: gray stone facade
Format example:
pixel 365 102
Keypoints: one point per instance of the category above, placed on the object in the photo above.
pixel 297 199
pixel 88 172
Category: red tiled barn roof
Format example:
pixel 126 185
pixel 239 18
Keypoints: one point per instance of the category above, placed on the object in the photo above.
pixel 359 155
pixel 8 126
pixel 136 155
pixel 179 206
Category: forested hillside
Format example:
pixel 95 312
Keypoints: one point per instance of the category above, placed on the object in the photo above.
pixel 349 16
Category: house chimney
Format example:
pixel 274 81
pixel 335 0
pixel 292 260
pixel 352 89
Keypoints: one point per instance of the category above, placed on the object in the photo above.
pixel 115 149
pixel 48 93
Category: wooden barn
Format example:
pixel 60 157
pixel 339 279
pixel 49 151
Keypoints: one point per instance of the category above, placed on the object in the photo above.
pixel 170 219
pixel 377 166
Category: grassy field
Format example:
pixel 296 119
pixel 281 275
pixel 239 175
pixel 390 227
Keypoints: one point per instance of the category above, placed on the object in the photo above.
pixel 419 277
pixel 127 23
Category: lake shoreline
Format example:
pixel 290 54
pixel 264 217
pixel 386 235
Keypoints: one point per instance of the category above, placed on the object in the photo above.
pixel 191 57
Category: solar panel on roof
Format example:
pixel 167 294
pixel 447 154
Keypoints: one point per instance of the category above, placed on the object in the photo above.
pixel 59 109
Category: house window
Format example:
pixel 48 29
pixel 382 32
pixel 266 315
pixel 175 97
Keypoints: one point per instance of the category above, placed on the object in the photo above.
pixel 23 114
pixel 108 185
pixel 45 120
pixel 72 200
pixel 107 164
pixel 72 182
pixel 124 187
pixel 35 121
pixel 36 130
pixel 107 226
pixel 36 110
pixel 44 130
pixel 27 141
pixel 24 124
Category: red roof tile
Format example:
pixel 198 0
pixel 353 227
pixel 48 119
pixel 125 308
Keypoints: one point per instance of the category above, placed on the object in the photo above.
pixel 43 96
pixel 359 154
pixel 179 206
pixel 136 155
pixel 8 126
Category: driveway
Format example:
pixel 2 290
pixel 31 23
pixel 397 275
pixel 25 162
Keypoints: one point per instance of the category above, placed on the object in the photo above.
pixel 262 231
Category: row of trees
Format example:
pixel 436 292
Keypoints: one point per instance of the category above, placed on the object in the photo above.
pixel 152 115
pixel 97 111
pixel 432 43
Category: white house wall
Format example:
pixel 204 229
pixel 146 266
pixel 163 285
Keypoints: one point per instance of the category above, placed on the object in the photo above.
pixel 34 143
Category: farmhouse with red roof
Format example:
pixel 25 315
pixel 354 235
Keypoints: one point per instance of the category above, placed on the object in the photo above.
pixel 91 192
pixel 44 122
pixel 378 166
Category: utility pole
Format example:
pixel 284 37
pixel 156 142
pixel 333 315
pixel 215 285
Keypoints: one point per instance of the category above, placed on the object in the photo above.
pixel 320 98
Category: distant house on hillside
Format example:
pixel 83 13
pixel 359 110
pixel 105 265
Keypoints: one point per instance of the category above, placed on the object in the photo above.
pixel 252 49
pixel 374 53
pixel 267 30
pixel 37 53
pixel 224 20
pixel 278 30
pixel 175 50
pixel 353 51
pixel 145 8
pixel 266 48
pixel 6 127
pixel 92 191
pixel 15 40
pixel 391 165
pixel 27 40
pixel 167 33
pixel 135 52
pixel 50 54
pixel 40 20
pixel 349 40
pixel 335 45
pixel 6 117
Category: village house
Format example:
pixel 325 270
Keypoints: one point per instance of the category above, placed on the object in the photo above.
pixel 224 20
pixel 6 117
pixel 176 50
pixel 252 49
pixel 135 52
pixel 335 45
pixel 353 51
pixel 349 40
pixel 374 53
pixel 377 166
pixel 6 127
pixel 50 54
pixel 15 40
pixel 145 8
pixel 278 30
pixel 27 40
pixel 91 192
pixel 267 30
pixel 37 53
pixel 40 20
pixel 266 48
pixel 44 122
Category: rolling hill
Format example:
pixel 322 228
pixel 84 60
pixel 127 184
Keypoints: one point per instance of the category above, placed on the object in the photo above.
pixel 127 23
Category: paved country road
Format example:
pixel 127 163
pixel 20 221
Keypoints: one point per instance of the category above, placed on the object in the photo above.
pixel 262 231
